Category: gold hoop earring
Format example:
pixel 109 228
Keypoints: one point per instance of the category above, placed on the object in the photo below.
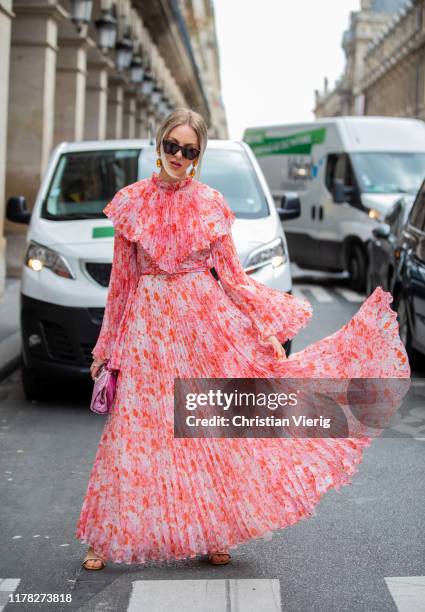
pixel 192 172
pixel 159 162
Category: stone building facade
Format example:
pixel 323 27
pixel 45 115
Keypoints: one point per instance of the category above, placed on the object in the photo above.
pixel 200 22
pixel 393 81
pixel 368 26
pixel 67 76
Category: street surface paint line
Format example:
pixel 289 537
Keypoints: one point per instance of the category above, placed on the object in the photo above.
pixel 408 592
pixel 350 296
pixel 297 293
pixel 228 595
pixel 404 428
pixel 231 595
pixel 323 295
pixel 320 294
pixel 7 586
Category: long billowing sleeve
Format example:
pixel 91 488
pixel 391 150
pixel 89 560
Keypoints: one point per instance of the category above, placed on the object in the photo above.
pixel 123 276
pixel 272 311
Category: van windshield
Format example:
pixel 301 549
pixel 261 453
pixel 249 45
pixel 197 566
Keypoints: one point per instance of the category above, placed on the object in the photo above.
pixel 383 172
pixel 230 172
pixel 85 181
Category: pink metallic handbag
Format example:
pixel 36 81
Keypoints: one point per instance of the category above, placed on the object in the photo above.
pixel 104 390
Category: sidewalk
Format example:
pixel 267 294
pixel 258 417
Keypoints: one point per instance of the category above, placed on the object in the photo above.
pixel 10 335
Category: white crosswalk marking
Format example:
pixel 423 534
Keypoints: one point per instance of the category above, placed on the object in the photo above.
pixel 350 296
pixel 409 430
pixel 7 586
pixel 408 592
pixel 230 595
pixel 320 294
pixel 324 295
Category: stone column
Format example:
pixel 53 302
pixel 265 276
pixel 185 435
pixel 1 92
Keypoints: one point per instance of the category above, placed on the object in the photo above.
pixel 421 85
pixel 96 95
pixel 153 120
pixel 6 16
pixel 114 125
pixel 129 114
pixel 31 108
pixel 70 95
pixel 141 120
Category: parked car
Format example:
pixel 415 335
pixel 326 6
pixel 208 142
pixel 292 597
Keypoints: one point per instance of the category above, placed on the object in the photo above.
pixel 68 258
pixel 409 282
pixel 383 249
pixel 348 172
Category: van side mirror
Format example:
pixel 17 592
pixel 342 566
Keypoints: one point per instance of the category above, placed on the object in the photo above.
pixel 17 211
pixel 342 192
pixel 290 207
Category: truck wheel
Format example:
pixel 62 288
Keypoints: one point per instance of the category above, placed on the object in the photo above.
pixel 416 359
pixel 34 387
pixel 369 283
pixel 357 268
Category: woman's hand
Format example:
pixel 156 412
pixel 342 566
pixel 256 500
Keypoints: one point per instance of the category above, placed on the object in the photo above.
pixel 95 367
pixel 279 351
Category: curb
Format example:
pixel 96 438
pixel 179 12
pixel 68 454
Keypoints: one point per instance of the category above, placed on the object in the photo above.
pixel 10 354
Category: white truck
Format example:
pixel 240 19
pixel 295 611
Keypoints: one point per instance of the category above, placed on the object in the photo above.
pixel 344 173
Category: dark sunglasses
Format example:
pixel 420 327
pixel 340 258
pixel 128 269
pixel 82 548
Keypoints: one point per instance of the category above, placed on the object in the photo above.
pixel 171 148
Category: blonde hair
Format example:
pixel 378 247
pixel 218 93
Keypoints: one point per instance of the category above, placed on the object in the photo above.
pixel 185 116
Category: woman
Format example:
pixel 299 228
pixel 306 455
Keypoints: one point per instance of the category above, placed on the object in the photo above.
pixel 155 497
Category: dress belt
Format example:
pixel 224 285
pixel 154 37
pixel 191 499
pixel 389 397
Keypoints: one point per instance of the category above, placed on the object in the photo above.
pixel 164 273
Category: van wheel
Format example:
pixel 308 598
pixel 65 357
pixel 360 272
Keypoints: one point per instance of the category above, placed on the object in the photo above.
pixel 357 268
pixel 34 387
pixel 416 360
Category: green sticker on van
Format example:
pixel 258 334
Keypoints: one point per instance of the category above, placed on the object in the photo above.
pixel 300 143
pixel 102 232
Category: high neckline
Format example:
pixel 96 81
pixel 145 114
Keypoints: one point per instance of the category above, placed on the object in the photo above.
pixel 170 225
pixel 159 182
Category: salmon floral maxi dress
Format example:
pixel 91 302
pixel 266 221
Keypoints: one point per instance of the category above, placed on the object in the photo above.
pixel 152 496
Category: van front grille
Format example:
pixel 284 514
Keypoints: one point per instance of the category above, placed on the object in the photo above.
pixel 86 349
pixel 58 343
pixel 96 315
pixel 100 272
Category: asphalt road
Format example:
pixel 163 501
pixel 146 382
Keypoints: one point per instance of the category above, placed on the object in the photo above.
pixel 363 552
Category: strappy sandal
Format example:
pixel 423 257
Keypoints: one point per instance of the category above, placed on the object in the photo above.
pixel 219 557
pixel 93 558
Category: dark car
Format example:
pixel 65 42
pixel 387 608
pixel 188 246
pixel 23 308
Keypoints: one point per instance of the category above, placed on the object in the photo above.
pixel 409 282
pixel 383 250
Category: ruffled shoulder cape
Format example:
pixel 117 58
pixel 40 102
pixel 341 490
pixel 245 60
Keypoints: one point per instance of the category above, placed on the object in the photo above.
pixel 170 220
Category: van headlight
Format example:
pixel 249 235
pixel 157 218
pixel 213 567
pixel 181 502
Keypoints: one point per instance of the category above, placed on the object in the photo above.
pixel 38 257
pixel 273 253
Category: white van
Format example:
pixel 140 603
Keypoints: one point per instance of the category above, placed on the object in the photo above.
pixel 67 264
pixel 345 173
